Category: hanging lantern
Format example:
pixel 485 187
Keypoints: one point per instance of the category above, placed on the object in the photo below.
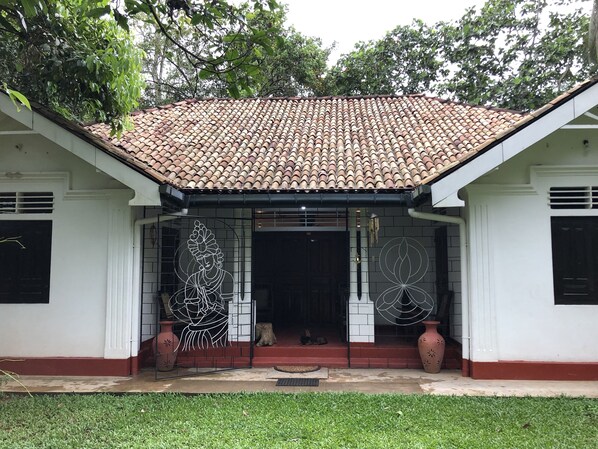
pixel 374 228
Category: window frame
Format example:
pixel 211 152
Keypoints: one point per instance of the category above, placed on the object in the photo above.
pixel 23 264
pixel 562 254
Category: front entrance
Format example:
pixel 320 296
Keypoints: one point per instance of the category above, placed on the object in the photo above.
pixel 300 278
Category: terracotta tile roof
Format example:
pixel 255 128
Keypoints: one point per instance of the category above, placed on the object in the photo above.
pixel 307 144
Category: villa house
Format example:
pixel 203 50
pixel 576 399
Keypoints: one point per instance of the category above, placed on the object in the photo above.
pixel 354 217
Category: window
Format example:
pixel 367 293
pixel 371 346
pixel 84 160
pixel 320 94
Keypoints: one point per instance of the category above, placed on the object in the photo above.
pixel 573 197
pixel 25 249
pixel 26 202
pixel 575 259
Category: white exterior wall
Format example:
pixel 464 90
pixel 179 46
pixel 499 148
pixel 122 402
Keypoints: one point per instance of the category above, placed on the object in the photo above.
pixel 91 261
pixel 513 314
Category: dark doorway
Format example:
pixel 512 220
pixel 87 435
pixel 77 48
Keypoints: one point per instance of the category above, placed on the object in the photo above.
pixel 300 277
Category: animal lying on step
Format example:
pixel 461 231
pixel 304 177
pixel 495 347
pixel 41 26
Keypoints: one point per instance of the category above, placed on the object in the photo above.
pixel 307 339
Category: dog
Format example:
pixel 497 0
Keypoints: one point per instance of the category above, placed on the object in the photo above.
pixel 307 339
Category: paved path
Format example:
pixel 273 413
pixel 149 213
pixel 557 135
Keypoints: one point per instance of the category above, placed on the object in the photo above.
pixel 264 379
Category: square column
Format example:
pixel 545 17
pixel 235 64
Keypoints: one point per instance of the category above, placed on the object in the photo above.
pixel 239 309
pixel 361 309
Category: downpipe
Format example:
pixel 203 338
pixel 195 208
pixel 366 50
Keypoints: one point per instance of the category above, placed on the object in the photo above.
pixel 465 303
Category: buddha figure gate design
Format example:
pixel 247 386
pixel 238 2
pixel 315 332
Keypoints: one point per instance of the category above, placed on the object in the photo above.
pixel 202 303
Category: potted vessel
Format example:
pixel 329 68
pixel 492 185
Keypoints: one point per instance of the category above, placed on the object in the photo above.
pixel 431 347
pixel 166 346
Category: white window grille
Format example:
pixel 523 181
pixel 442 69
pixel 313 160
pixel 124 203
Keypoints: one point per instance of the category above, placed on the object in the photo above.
pixel 26 202
pixel 300 220
pixel 584 197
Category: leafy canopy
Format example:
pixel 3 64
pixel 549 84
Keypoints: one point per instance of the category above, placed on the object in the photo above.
pixel 291 65
pixel 517 54
pixel 78 56
pixel 60 54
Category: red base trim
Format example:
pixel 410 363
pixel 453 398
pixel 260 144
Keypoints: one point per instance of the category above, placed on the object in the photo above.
pixel 71 366
pixel 519 370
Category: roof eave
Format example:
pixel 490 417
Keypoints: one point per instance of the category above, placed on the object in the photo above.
pixel 398 198
pixel 75 139
pixel 507 144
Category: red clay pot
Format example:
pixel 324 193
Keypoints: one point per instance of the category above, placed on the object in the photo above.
pixel 431 347
pixel 166 347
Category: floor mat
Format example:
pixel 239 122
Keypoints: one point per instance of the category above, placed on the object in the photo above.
pixel 298 382
pixel 297 369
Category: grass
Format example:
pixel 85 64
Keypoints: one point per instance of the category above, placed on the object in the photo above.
pixel 304 420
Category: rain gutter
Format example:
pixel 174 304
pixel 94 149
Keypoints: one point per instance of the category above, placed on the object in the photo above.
pixel 179 199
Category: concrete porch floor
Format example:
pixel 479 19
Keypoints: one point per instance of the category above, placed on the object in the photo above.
pixel 331 379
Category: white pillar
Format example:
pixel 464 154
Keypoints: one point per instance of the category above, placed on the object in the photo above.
pixel 361 309
pixel 119 288
pixel 353 265
pixel 245 302
pixel 239 310
pixel 233 307
pixel 483 310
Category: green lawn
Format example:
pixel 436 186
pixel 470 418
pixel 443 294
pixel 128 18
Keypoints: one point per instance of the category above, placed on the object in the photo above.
pixel 310 420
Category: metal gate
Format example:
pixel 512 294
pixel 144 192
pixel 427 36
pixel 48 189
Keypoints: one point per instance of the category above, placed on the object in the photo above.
pixel 399 274
pixel 203 297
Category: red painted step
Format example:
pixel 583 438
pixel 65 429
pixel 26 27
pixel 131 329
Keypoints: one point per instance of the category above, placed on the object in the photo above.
pixel 300 351
pixel 329 362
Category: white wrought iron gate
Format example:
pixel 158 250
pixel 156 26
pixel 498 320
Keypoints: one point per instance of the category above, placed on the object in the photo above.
pixel 203 295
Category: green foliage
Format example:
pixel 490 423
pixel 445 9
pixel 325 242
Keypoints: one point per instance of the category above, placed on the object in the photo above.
pixel 296 67
pixel 405 61
pixel 18 99
pixel 320 420
pixel 507 57
pixel 292 64
pixel 65 57
pixel 517 54
pixel 196 48
pixel 78 57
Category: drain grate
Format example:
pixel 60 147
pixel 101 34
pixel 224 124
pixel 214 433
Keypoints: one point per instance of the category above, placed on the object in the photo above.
pixel 298 382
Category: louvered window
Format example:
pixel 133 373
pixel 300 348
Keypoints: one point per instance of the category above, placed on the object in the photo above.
pixel 573 197
pixel 293 219
pixel 26 202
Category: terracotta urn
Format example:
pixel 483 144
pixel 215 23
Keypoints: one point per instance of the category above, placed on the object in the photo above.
pixel 431 347
pixel 166 346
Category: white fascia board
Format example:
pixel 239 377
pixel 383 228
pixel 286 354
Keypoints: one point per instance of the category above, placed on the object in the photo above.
pixel 515 144
pixel 146 191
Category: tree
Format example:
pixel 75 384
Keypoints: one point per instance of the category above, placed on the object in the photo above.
pixel 405 61
pixel 81 66
pixel 295 64
pixel 517 54
pixel 506 56
pixel 209 40
pixel 78 58
pixel 593 34
pixel 297 67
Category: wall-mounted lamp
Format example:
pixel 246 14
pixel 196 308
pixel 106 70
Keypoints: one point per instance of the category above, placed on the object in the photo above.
pixel 374 228
pixel 153 234
pixel 357 258
pixel 586 143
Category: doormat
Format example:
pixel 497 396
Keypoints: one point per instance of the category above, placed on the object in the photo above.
pixel 297 368
pixel 298 382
